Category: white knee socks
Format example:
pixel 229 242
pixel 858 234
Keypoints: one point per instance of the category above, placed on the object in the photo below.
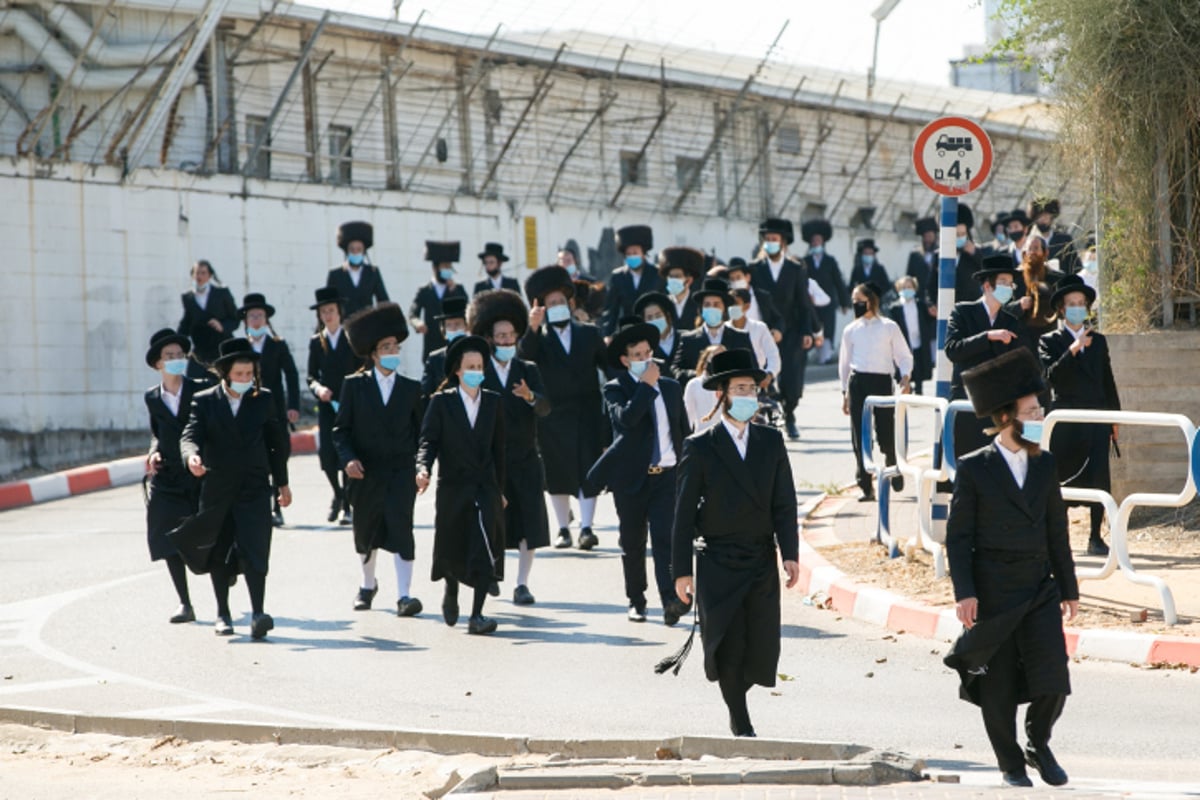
pixel 524 564
pixel 561 503
pixel 368 570
pixel 587 510
pixel 404 573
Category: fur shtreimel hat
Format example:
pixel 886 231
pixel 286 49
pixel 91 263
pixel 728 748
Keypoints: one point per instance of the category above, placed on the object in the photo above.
pixel 357 231
pixel 1003 380
pixel 816 227
pixel 488 308
pixel 545 280
pixel 365 328
pixel 640 235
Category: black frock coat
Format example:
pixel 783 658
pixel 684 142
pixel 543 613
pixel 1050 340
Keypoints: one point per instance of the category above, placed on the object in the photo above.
pixel 506 282
pixel 525 516
pixel 245 455
pixel 278 370
pixel 206 342
pixel 370 289
pixel 329 366
pixel 922 368
pixel 434 374
pixel 799 318
pixel 967 346
pixel 622 294
pixel 693 343
pixel 573 434
pixel 384 439
pixel 172 492
pixel 1008 547
pixel 1082 381
pixel 426 306
pixel 742 510
pixel 876 275
pixel 468 537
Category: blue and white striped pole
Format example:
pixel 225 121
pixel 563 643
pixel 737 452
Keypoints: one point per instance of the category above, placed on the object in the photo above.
pixel 947 265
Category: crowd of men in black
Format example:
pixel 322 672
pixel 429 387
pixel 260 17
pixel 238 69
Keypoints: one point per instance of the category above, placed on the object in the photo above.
pixel 649 385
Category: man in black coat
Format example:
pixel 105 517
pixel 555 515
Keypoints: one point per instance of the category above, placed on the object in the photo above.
pixel 825 270
pixel 912 315
pixel 785 279
pixel 681 269
pixel 632 279
pixel 376 432
pixel 736 493
pixel 649 423
pixel 714 300
pixel 427 303
pixel 867 268
pixel 977 332
pixel 1010 562
pixel 357 281
pixel 209 314
pixel 500 317
pixel 493 258
pixel 570 356
pixel 452 322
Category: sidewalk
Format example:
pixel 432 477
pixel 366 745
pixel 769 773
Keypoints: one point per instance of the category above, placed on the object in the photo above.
pixel 839 570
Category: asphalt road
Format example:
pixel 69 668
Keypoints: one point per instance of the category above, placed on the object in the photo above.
pixel 83 628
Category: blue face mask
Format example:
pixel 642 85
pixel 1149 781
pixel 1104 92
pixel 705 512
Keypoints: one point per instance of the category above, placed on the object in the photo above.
pixel 868 260
pixel 636 368
pixel 908 294
pixel 175 366
pixel 633 262
pixel 557 315
pixel 743 409
pixel 255 333
pixel 473 378
pixel 505 352
pixel 452 335
pixel 817 250
pixel 391 361
pixel 355 259
pixel 772 248
pixel 1002 293
pixel 1076 315
pixel 660 323
pixel 675 286
pixel 446 274
pixel 1001 237
pixel 571 269
pixel 960 242
pixel 1031 431
pixel 241 387
pixel 712 316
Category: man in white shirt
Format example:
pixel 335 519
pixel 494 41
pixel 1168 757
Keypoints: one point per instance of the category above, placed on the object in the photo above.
pixel 766 352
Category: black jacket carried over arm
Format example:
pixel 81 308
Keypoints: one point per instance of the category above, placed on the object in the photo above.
pixel 370 289
pixel 206 342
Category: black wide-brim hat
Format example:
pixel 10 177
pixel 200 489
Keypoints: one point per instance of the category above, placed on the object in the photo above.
pixel 641 235
pixel 357 231
pixel 713 287
pixel 233 350
pixel 463 345
pixel 442 252
pixel 864 244
pixel 496 305
pixel 632 331
pixel 776 225
pixel 996 264
pixel 1000 218
pixel 326 295
pixel 545 280
pixel 1020 216
pixel 161 339
pixel 367 327
pixel 656 299
pixel 453 308
pixel 816 227
pixel 1003 380
pixel 494 249
pixel 730 364
pixel 688 259
pixel 255 300
pixel 926 225
pixel 1072 283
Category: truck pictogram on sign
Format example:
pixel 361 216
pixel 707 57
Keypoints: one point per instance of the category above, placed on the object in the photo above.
pixel 960 143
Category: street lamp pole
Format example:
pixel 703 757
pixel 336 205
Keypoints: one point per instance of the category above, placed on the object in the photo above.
pixel 879 14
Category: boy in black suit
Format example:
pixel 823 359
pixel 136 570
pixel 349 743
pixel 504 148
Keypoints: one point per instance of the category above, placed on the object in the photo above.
pixel 493 258
pixel 357 281
pixel 427 303
pixel 632 279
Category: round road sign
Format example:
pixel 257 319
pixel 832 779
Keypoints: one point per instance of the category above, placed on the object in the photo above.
pixel 953 156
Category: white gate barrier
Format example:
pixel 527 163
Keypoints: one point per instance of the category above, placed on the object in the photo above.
pixel 930 536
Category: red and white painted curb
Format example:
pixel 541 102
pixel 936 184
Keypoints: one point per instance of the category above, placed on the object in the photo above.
pixel 122 472
pixel 897 613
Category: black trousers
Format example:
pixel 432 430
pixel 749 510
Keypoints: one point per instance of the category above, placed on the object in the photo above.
pixel 793 365
pixel 652 506
pixel 862 386
pixel 998 700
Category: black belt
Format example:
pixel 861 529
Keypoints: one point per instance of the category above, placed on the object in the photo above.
pixel 658 470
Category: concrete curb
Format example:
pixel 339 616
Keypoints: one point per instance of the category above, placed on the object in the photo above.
pixel 898 613
pixel 107 475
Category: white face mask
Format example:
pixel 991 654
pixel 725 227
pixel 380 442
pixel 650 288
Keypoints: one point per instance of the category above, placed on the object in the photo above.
pixel 735 313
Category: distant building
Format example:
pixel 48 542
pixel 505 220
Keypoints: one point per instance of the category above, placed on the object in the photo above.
pixel 981 72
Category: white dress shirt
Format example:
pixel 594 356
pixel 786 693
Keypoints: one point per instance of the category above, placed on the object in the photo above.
pixel 667 341
pixel 988 310
pixel 234 402
pixel 666 450
pixel 873 344
pixel 1018 462
pixel 715 335
pixel 386 384
pixel 820 298
pixel 564 336
pixel 257 343
pixel 766 352
pixel 698 402
pixel 355 274
pixel 496 282
pixel 439 288
pixel 201 296
pixel 679 306
pixel 776 267
pixel 501 370
pixel 912 323
pixel 471 404
pixel 740 438
pixel 333 337
pixel 1076 333
pixel 171 400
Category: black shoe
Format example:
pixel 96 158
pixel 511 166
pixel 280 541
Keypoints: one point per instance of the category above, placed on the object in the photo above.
pixel 450 610
pixel 897 483
pixel 522 596
pixel 868 496
pixel 334 508
pixel 347 518
pixel 1016 779
pixel 741 728
pixel 259 625
pixel 793 432
pixel 1044 762
pixel 564 539
pixel 408 607
pixel 223 626
pixel 183 614
pixel 672 612
pixel 365 598
pixel 636 614
pixel 1097 547
pixel 587 539
pixel 479 625
pixel 494 589
pixel 277 518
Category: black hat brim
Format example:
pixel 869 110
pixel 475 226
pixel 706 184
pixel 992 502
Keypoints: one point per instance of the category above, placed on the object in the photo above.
pixel 713 382
pixel 155 351
pixel 241 355
pixel 267 307
pixel 463 345
pixel 1061 293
